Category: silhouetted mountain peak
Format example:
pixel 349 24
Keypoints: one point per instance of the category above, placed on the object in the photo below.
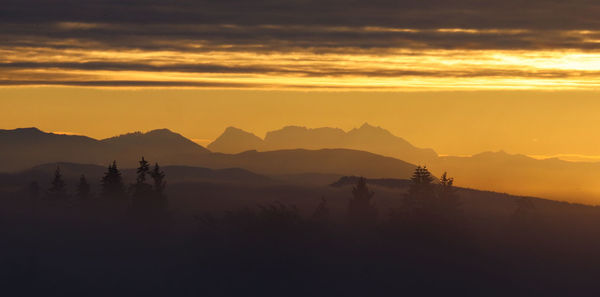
pixel 366 138
pixel 29 130
pixel 370 130
pixel 163 131
pixel 235 140
pixel 366 125
pixel 234 130
pixel 32 133
pixel 157 135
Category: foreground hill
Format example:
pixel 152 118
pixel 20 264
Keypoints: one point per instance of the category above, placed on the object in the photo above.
pixel 366 138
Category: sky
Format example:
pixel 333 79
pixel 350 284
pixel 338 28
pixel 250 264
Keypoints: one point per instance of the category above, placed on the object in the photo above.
pixel 455 123
pixel 459 76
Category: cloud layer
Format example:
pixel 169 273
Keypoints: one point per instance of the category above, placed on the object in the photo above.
pixel 301 43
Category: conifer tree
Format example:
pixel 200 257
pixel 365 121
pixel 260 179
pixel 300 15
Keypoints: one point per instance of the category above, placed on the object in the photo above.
pixel 58 188
pixel 158 176
pixel 83 188
pixel 421 190
pixel 143 200
pixel 448 199
pixel 112 183
pixel 141 189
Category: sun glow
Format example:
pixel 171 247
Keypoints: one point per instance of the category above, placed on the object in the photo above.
pixel 198 63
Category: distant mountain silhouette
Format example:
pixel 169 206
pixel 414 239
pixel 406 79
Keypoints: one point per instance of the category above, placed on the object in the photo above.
pixel 160 145
pixel 27 147
pixel 235 140
pixel 523 175
pixel 366 138
pixel 23 148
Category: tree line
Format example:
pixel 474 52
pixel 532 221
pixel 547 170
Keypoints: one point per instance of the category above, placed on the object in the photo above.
pixel 425 200
pixel 148 190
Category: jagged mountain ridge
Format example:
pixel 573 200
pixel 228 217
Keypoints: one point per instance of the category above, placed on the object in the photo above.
pixel 366 138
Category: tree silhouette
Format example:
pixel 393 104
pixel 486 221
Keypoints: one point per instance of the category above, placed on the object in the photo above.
pixel 141 189
pixel 142 198
pixel 83 188
pixel 361 210
pixel 421 191
pixel 58 188
pixel 158 176
pixel 447 197
pixel 112 183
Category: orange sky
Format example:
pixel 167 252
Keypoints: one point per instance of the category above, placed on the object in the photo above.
pixel 540 123
pixel 460 76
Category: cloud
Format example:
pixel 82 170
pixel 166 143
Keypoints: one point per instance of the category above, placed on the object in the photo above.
pixel 96 42
pixel 534 14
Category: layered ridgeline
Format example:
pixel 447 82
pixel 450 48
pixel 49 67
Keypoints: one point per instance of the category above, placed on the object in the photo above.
pixel 21 149
pixel 366 138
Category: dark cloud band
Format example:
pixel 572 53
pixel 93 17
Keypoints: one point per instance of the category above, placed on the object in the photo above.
pixel 57 41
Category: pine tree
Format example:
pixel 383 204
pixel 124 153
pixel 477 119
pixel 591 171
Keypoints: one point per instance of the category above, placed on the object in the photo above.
pixel 112 183
pixel 141 189
pixel 142 171
pixel 58 189
pixel 83 188
pixel 448 199
pixel 143 200
pixel 361 210
pixel 158 176
pixel 421 190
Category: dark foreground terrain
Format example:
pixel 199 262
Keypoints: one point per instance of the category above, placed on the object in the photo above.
pixel 274 237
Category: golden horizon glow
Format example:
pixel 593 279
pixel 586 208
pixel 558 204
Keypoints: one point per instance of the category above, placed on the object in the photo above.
pixel 202 65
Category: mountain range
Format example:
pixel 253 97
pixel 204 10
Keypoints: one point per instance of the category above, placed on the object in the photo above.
pixel 366 138
pixel 21 149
